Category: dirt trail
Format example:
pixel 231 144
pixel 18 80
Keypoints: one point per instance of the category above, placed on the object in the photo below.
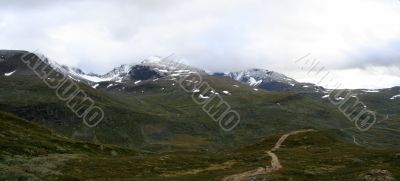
pixel 275 164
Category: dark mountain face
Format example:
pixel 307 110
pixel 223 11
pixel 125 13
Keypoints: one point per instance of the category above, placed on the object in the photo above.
pixel 140 72
pixel 272 81
pixel 10 61
pixel 15 62
pixel 397 88
pixel 275 86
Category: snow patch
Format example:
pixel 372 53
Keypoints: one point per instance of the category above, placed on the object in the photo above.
pixel 371 90
pixel 95 86
pixel 163 71
pixel 203 97
pixel 394 97
pixel 339 98
pixel 92 78
pixel 119 80
pixel 226 92
pixel 73 78
pixel 214 92
pixel 10 73
pixel 254 82
pixel 136 82
pixel 182 71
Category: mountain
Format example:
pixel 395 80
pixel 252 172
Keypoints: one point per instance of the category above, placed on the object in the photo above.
pixel 155 112
pixel 16 62
pixel 150 91
pixel 255 77
pixel 154 130
pixel 10 61
pixel 149 69
pixel 154 68
pixel 270 80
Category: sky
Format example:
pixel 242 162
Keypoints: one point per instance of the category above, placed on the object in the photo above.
pixel 355 42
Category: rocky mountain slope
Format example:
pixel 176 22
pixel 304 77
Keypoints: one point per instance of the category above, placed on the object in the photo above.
pixel 157 67
pixel 270 80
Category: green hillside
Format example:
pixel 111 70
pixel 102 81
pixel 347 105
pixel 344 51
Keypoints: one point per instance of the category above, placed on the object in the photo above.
pixel 31 152
pixel 35 153
pixel 153 120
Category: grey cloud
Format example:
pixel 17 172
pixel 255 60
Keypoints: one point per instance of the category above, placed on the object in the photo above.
pixel 28 4
pixel 222 35
pixel 384 55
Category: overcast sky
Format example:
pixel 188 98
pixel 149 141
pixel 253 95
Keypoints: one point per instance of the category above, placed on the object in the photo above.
pixel 357 41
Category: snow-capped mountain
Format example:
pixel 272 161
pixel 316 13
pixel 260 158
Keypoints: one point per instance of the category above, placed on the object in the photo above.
pixel 169 67
pixel 255 77
pixel 270 80
pixel 117 74
pixel 151 68
pixel 10 61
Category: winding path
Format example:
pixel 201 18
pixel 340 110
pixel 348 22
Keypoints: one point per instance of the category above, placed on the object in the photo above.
pixel 275 164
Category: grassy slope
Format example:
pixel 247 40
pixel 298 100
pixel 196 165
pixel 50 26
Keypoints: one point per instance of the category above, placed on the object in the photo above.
pixel 31 152
pixel 31 99
pixel 159 116
pixel 309 156
pixel 386 131
pixel 316 156
pixel 167 119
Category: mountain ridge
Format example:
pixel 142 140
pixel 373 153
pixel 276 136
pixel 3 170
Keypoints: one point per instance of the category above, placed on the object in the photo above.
pixel 157 67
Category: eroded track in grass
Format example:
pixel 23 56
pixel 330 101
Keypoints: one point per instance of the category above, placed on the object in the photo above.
pixel 275 164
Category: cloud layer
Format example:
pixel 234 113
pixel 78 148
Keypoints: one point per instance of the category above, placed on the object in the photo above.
pixel 356 39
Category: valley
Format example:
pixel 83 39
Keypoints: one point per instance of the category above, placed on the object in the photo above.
pixel 153 129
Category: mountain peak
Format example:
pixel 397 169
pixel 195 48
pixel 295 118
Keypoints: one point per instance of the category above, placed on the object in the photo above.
pixel 152 60
pixel 255 77
pixel 169 63
pixel 151 67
